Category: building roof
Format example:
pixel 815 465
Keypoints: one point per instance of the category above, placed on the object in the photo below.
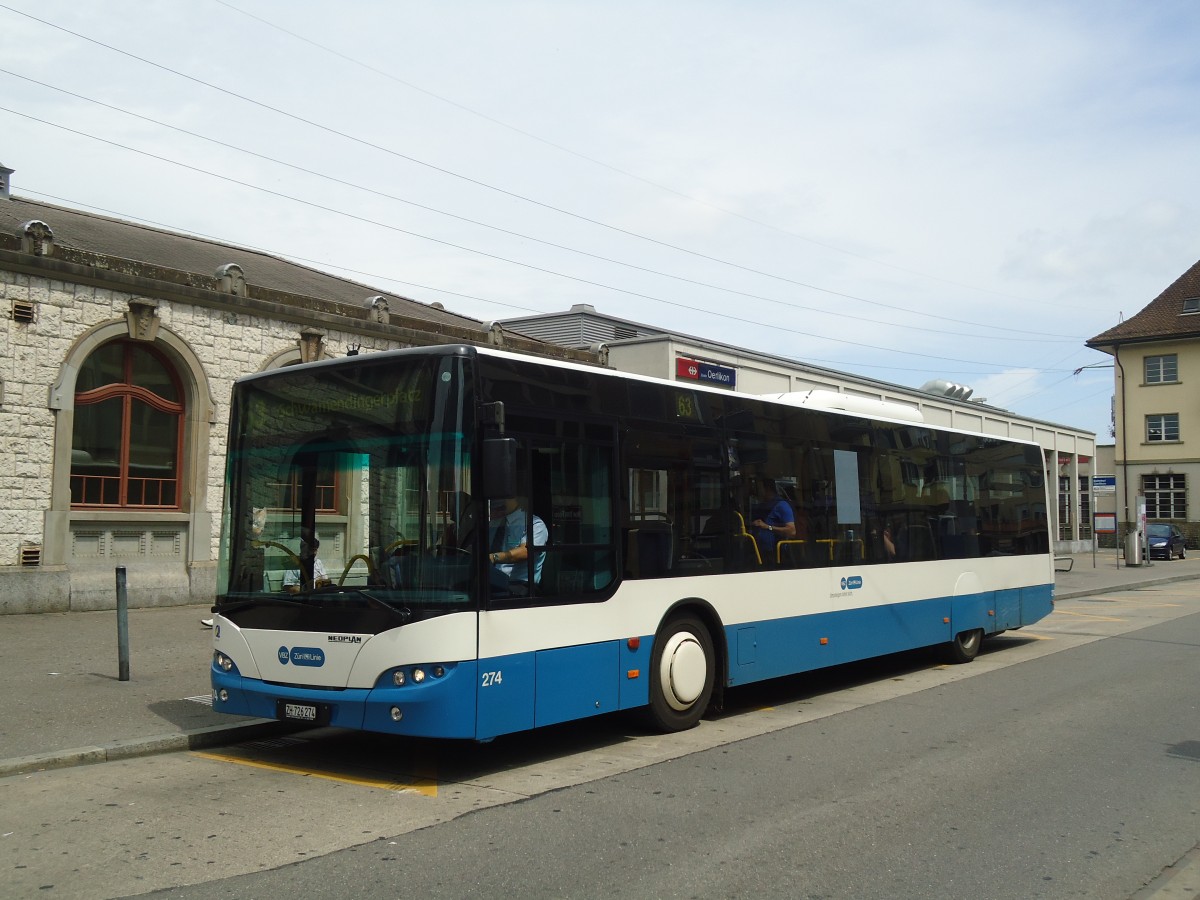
pixel 1163 318
pixel 109 237
pixel 580 327
pixel 583 326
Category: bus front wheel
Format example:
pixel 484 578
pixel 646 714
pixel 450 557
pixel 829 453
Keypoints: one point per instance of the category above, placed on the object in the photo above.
pixel 682 674
pixel 965 646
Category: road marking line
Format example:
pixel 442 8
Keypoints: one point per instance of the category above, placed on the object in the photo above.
pixel 1091 616
pixel 425 786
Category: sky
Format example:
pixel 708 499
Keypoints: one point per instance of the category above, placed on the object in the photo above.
pixel 964 190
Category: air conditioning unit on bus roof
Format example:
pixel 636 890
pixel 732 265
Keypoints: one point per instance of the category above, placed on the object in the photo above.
pixel 850 403
pixel 943 388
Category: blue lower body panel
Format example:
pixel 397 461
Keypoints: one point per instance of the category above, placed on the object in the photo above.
pixel 529 690
pixel 442 707
pixel 775 648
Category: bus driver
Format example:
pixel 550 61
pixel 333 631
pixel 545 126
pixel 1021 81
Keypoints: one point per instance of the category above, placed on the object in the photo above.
pixel 508 542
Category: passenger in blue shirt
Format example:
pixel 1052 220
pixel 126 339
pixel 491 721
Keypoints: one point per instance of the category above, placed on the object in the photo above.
pixel 773 521
pixel 509 551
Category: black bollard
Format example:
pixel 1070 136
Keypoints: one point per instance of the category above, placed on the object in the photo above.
pixel 122 626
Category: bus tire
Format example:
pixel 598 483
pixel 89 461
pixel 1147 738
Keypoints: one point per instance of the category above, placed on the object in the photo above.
pixel 965 646
pixel 682 674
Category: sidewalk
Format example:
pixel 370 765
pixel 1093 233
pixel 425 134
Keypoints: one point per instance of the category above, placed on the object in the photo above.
pixel 1084 579
pixel 64 705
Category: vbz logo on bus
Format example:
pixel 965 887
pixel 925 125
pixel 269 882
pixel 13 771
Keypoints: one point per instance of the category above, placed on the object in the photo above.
pixel 852 583
pixel 302 656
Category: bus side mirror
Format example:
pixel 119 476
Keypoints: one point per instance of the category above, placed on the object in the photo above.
pixel 500 467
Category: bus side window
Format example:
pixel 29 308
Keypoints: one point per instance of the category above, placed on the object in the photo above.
pixel 573 493
pixel 675 516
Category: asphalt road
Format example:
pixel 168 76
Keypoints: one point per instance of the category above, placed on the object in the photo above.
pixel 1064 762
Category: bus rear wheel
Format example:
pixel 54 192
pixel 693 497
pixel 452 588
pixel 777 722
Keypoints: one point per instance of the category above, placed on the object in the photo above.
pixel 965 646
pixel 682 674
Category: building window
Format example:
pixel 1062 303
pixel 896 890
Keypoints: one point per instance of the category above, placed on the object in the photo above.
pixel 1191 305
pixel 128 433
pixel 1064 508
pixel 1163 427
pixel 1085 506
pixel 288 494
pixel 1162 369
pixel 1166 496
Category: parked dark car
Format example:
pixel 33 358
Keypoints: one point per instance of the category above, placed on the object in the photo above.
pixel 1166 541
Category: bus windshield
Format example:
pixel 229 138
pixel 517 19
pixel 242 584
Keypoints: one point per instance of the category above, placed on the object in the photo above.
pixel 347 504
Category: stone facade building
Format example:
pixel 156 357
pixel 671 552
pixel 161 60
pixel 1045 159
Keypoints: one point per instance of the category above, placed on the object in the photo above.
pixel 120 346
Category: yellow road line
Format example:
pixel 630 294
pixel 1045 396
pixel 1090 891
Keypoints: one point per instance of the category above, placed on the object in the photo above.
pixel 1135 605
pixel 425 786
pixel 1092 616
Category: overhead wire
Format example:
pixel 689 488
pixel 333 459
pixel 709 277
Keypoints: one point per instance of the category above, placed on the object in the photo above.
pixel 483 253
pixel 597 162
pixel 394 279
pixel 789 304
pixel 1037 372
pixel 468 179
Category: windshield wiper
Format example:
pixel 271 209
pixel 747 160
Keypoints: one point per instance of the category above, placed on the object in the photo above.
pixel 268 600
pixel 404 614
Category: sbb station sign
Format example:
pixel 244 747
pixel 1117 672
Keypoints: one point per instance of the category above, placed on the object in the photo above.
pixel 709 373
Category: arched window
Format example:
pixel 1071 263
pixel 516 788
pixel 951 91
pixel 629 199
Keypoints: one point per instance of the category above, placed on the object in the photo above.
pixel 128 435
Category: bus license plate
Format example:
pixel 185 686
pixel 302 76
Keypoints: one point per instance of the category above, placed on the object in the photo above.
pixel 292 711
pixel 300 711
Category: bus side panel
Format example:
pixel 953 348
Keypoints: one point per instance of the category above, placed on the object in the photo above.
pixel 506 695
pixel 576 682
pixel 972 611
pixel 1036 603
pixel 1008 609
pixel 800 644
pixel 633 677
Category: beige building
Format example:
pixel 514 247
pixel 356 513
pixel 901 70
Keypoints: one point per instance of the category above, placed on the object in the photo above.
pixel 645 350
pixel 1157 410
pixel 120 343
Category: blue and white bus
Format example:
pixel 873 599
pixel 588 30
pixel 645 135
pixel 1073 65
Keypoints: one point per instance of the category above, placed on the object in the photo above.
pixel 651 589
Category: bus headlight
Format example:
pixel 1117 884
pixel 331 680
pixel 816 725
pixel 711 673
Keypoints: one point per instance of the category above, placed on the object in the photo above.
pixel 418 676
pixel 398 678
pixel 223 662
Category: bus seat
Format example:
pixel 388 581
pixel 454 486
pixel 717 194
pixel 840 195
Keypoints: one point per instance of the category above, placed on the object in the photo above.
pixel 790 554
pixel 801 554
pixel 847 552
pixel 745 543
pixel 648 548
pixel 915 542
pixel 548 585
